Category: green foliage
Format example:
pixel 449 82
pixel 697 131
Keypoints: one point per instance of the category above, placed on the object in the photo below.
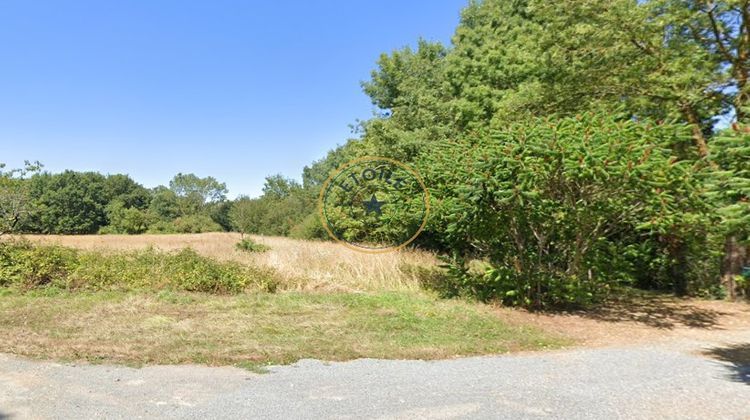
pixel 556 207
pixel 315 175
pixel 246 215
pixel 411 88
pixel 309 228
pixel 164 205
pixel 277 187
pixel 194 193
pixel 126 220
pixel 284 205
pixel 729 184
pixel 82 203
pixel 393 224
pixel 15 199
pixel 197 223
pixel 76 202
pixel 162 226
pixel 25 266
pixel 249 245
pixel 219 213
pixel 69 202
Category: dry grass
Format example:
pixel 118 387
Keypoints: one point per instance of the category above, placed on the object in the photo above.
pixel 370 306
pixel 253 329
pixel 306 265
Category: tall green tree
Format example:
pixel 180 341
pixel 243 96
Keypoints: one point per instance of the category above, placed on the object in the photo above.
pixel 247 215
pixel 69 202
pixel 730 192
pixel 279 187
pixel 195 194
pixel 563 210
pixel 15 199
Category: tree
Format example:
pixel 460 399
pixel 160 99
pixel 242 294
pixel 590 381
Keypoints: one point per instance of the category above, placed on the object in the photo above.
pixel 130 193
pixel 69 202
pixel 76 202
pixel 729 189
pixel 246 215
pixel 562 210
pixel 15 201
pixel 164 204
pixel 410 88
pixel 126 220
pixel 195 193
pixel 314 175
pixel 278 187
pixel 219 213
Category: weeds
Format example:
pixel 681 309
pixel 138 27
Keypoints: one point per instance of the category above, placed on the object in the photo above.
pixel 25 266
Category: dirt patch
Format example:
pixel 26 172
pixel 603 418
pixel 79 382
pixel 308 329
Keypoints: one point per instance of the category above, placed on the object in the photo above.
pixel 642 319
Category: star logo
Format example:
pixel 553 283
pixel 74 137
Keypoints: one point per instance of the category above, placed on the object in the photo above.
pixel 373 205
pixel 351 200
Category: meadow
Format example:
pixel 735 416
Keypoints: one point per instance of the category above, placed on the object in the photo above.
pixel 328 302
pixel 303 265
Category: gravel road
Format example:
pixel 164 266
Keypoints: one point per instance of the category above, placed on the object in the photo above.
pixel 666 380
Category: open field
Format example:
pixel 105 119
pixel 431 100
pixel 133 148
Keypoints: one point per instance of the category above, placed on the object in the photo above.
pixel 305 265
pixel 332 304
pixel 254 329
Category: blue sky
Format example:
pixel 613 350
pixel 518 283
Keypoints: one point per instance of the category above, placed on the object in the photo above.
pixel 233 89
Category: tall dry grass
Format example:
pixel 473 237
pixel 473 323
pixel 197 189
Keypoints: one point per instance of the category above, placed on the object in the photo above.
pixel 306 265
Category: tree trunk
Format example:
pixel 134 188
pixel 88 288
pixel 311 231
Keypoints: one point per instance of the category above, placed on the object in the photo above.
pixel 734 258
pixel 695 124
pixel 678 268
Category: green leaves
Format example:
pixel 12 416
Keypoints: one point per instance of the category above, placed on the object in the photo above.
pixel 729 181
pixel 15 199
pixel 551 203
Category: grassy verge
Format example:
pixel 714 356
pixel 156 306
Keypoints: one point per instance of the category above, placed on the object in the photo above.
pixel 251 329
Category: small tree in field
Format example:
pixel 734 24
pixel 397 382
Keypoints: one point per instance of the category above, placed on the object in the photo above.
pixel 15 204
pixel 245 214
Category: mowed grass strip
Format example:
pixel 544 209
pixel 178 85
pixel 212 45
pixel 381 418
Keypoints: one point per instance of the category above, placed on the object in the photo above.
pixel 252 329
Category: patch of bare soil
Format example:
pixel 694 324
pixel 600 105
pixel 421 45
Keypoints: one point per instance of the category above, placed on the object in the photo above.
pixel 648 318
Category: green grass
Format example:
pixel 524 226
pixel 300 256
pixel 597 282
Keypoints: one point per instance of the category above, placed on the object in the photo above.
pixel 252 330
pixel 249 245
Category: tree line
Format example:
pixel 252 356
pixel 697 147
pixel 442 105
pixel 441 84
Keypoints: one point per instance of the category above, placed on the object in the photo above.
pixel 571 148
pixel 576 147
pixel 70 202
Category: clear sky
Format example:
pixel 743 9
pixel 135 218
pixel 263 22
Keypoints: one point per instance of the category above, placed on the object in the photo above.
pixel 233 89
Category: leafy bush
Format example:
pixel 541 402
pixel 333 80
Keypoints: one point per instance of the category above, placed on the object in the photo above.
pixel 198 223
pixel 26 266
pixel 162 226
pixel 126 220
pixel 309 228
pixel 560 209
pixel 251 246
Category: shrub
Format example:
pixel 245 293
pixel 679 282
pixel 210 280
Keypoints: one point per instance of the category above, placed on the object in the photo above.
pixel 198 223
pixel 161 226
pixel 126 220
pixel 563 210
pixel 251 246
pixel 26 266
pixel 309 228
